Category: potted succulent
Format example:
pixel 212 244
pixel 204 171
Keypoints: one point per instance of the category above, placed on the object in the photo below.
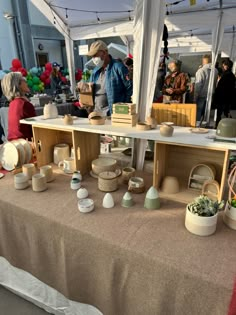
pixel 201 215
pixel 230 208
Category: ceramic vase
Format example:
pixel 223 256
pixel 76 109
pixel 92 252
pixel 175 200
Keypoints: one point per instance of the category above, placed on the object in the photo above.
pixel 229 216
pixel 152 200
pixel 108 201
pixel 127 200
pixel 166 130
pixel 50 111
pixel 75 183
pixel 77 174
pixel 82 193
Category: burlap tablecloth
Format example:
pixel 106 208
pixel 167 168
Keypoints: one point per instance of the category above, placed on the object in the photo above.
pixel 123 261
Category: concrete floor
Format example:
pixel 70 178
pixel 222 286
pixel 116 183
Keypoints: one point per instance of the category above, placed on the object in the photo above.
pixel 11 304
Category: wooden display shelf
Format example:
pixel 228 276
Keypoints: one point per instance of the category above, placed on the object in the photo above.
pixel 86 146
pixel 178 160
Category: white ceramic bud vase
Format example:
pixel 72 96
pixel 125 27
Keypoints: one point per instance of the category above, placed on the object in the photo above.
pixel 108 201
pixel 152 200
pixel 50 111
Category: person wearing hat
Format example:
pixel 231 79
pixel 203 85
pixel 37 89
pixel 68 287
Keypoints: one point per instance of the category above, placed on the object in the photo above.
pixel 110 78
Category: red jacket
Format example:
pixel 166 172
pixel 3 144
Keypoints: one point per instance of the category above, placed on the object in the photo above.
pixel 19 108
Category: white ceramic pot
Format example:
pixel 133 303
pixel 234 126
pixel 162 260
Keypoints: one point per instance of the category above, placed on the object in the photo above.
pixel 50 111
pixel 202 226
pixel 75 183
pixel 78 175
pixel 21 181
pixel 229 216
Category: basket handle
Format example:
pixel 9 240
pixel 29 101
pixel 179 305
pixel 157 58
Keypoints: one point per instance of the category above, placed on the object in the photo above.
pixel 231 181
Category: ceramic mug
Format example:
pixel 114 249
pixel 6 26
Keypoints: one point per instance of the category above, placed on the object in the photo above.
pixel 39 182
pixel 67 165
pixel 29 170
pixel 61 151
pixel 48 172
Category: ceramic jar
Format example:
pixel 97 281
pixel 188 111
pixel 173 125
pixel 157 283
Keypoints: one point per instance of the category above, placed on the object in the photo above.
pixel 107 181
pixel 127 173
pixel 152 200
pixel 50 111
pixel 68 120
pixel 77 174
pixel 75 184
pixel 166 130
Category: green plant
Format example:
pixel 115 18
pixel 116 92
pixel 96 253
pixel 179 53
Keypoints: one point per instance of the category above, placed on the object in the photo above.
pixel 204 206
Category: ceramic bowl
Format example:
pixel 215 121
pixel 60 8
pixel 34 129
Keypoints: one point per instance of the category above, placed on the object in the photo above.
pixel 82 193
pixel 103 164
pixel 170 185
pixel 86 205
pixel 108 201
pixel 21 181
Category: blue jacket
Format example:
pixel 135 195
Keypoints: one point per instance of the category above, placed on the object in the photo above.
pixel 118 87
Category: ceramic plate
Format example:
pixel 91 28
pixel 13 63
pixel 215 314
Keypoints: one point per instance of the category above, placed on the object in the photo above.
pixel 199 130
pixel 9 156
pixel 27 148
pixel 21 151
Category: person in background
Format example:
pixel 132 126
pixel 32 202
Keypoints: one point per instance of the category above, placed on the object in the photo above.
pixel 160 82
pixel 55 77
pixel 128 62
pixel 225 91
pixel 110 78
pixel 14 87
pixel 201 85
pixel 175 83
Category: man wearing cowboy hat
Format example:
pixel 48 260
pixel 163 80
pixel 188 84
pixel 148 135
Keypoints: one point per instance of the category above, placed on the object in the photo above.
pixel 110 79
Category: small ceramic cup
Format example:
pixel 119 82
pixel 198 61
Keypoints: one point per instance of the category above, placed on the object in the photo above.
pixel 67 165
pixel 127 173
pixel 48 172
pixel 29 170
pixel 85 205
pixel 75 183
pixel 21 181
pixel 39 182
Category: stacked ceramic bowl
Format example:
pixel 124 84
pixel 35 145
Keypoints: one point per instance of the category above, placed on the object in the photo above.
pixel 21 181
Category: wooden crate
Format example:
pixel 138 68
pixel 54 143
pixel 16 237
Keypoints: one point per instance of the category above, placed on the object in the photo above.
pixel 124 120
pixel 180 114
pixel 124 108
pixel 178 160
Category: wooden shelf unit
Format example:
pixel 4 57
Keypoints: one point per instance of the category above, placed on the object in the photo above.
pixel 178 160
pixel 86 146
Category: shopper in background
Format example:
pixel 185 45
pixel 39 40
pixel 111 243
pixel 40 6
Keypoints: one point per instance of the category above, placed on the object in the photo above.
pixel 110 78
pixel 225 91
pixel 201 85
pixel 14 87
pixel 175 83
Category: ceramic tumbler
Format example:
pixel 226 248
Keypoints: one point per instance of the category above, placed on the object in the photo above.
pixel 127 173
pixel 39 182
pixel 21 181
pixel 61 151
pixel 29 170
pixel 48 172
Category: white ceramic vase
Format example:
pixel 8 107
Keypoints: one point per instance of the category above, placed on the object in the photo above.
pixel 202 226
pixel 108 201
pixel 50 111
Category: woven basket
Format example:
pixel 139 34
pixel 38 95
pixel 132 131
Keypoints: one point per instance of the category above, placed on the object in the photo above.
pixel 107 181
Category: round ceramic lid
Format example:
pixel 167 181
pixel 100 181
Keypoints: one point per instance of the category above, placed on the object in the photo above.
pixel 9 156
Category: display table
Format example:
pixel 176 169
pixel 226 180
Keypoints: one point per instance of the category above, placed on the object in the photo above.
pixel 123 261
pixel 174 155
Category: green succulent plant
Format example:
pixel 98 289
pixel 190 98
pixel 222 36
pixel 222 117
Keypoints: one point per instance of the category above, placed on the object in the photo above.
pixel 204 206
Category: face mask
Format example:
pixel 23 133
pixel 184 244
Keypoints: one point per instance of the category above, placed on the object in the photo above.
pixel 98 61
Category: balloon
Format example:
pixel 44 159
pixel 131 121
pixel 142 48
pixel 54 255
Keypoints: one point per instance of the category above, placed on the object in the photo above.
pixel 43 77
pixel 23 71
pixel 34 70
pixel 30 83
pixel 36 80
pixel 16 63
pixel 13 69
pixel 47 73
pixel 48 67
pixel 47 81
pixel 35 88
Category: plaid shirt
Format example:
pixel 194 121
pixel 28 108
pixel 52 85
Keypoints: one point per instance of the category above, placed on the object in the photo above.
pixel 118 86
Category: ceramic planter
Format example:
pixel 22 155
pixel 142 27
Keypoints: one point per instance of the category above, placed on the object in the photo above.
pixel 229 216
pixel 198 225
